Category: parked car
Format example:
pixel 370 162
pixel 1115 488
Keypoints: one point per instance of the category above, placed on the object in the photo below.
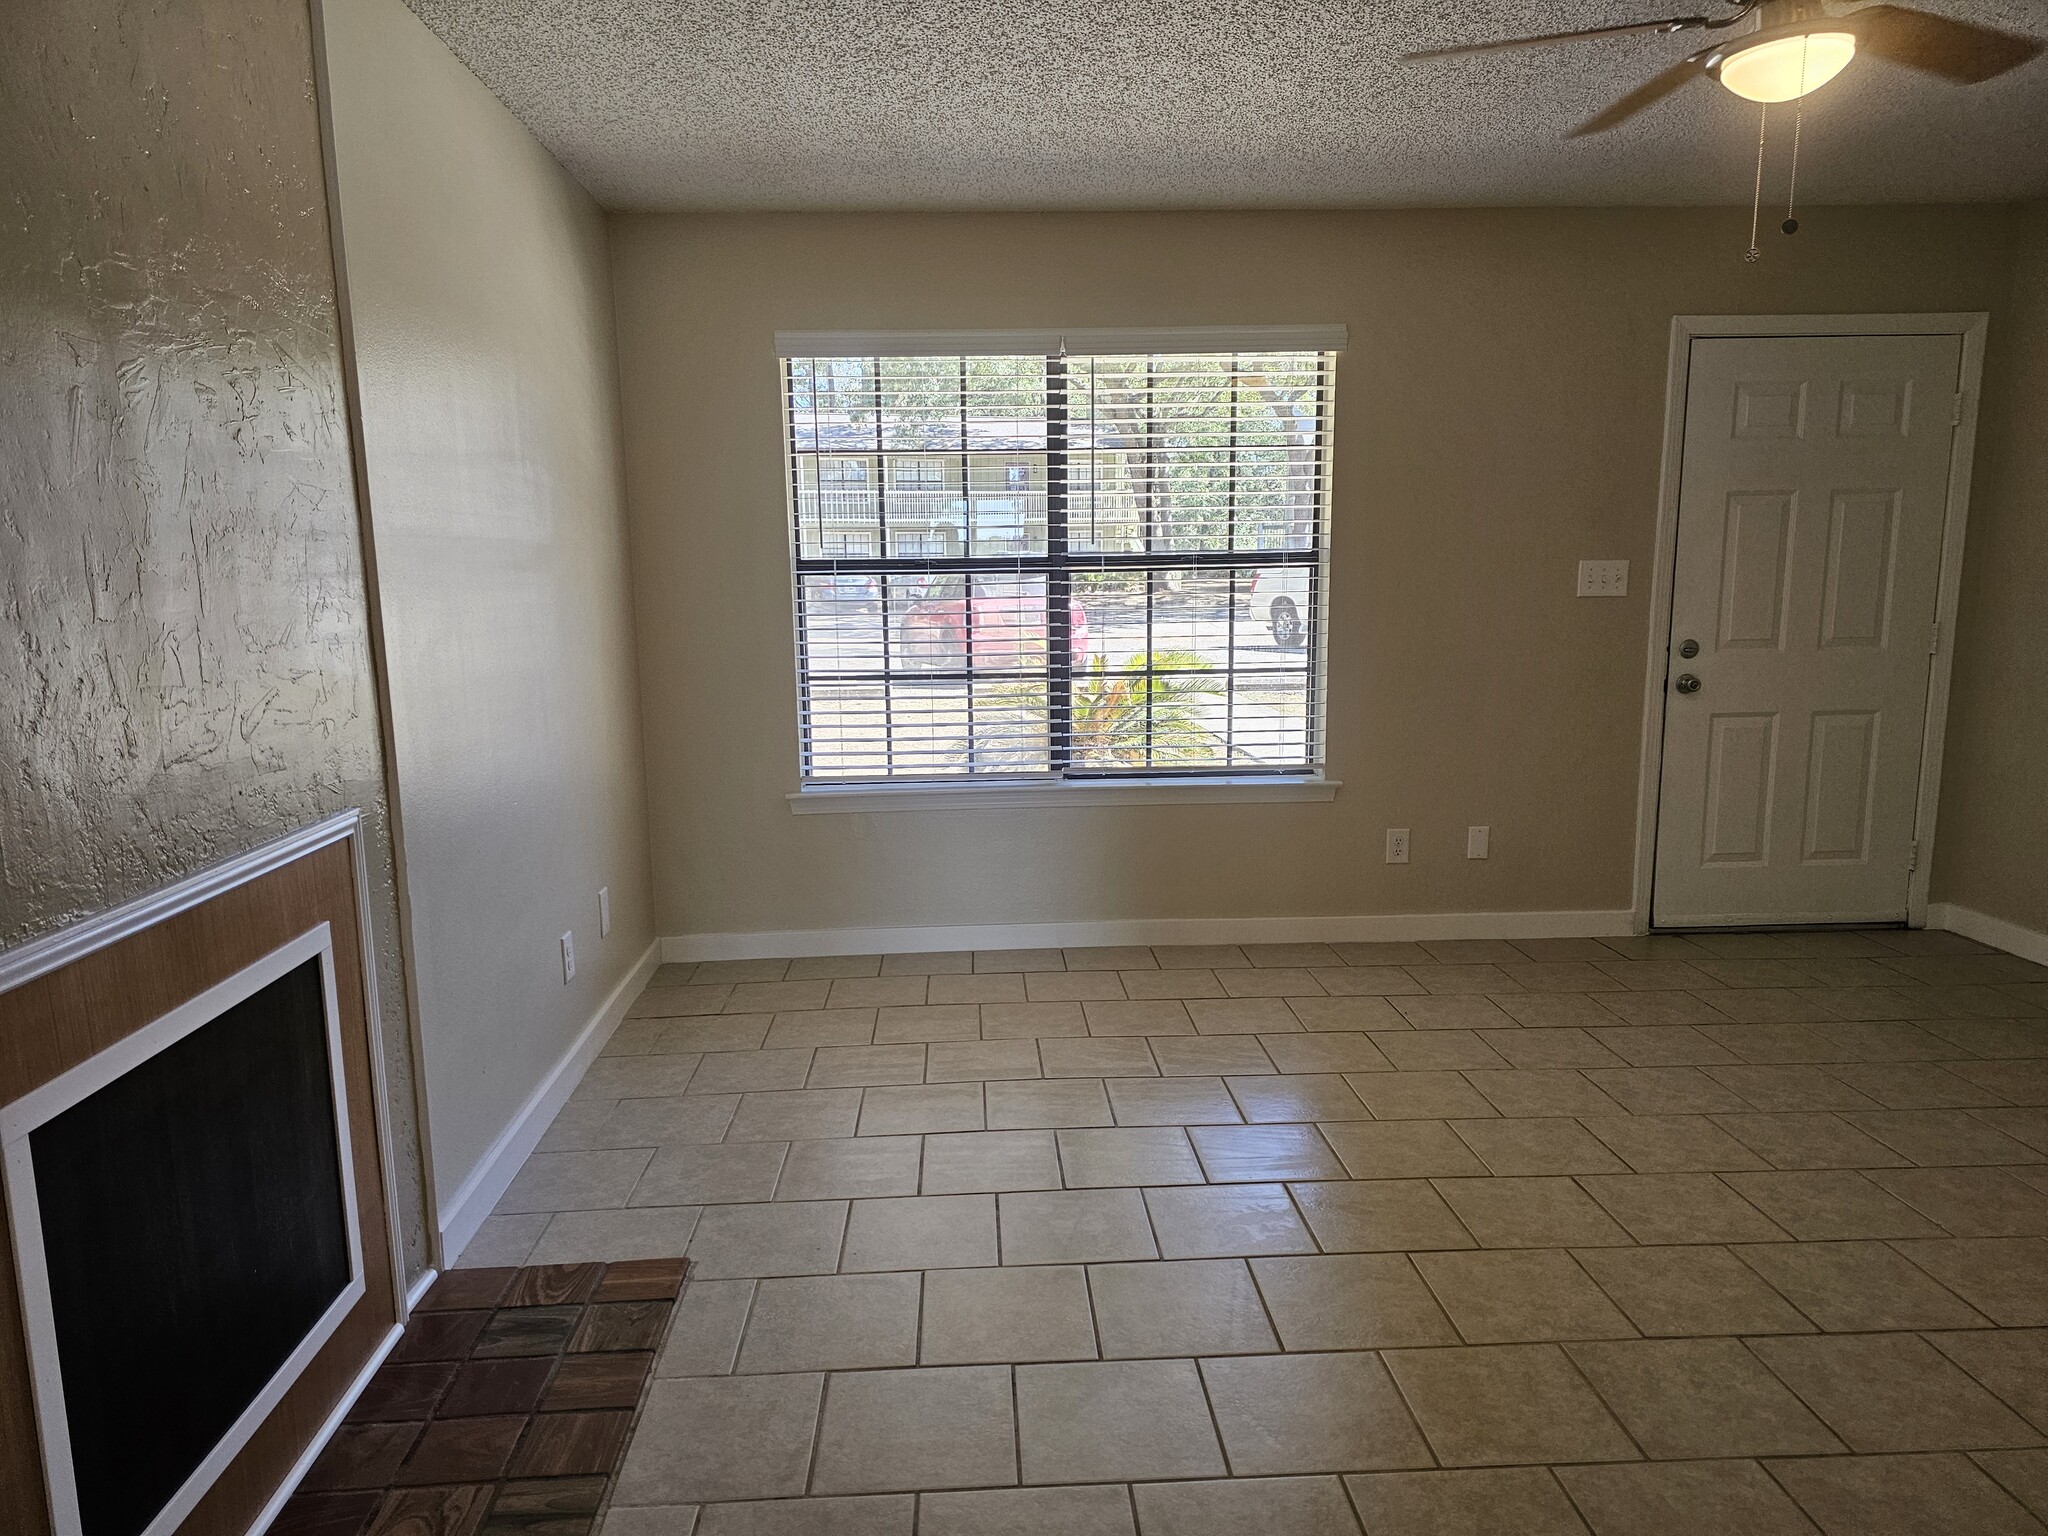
pixel 847 589
pixel 936 615
pixel 1280 596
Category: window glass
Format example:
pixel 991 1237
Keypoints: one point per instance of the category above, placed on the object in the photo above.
pixel 1085 566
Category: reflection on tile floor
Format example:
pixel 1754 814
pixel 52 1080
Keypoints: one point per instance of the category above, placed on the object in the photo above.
pixel 1730 1233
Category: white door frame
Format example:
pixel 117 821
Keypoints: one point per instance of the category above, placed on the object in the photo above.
pixel 1970 326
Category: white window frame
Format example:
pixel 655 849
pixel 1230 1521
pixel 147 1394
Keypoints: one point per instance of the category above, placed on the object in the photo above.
pixel 824 797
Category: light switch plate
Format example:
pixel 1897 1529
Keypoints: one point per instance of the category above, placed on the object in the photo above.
pixel 1476 840
pixel 604 911
pixel 1603 578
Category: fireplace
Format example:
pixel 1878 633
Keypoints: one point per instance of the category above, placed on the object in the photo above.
pixel 202 1270
pixel 182 1219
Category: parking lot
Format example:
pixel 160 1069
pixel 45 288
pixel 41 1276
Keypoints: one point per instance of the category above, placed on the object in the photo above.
pixel 1249 707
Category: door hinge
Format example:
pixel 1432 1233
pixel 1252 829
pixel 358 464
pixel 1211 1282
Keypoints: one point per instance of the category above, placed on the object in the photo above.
pixel 1955 410
pixel 1912 856
pixel 1934 639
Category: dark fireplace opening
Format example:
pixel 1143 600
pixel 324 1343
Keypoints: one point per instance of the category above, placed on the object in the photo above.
pixel 195 1231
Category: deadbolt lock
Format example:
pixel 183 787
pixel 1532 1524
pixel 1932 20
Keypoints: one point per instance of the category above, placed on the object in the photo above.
pixel 1689 649
pixel 1687 683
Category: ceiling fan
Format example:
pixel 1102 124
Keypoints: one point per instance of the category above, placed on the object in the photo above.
pixel 1795 48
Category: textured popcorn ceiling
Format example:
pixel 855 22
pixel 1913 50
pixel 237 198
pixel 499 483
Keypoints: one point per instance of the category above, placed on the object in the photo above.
pixel 794 104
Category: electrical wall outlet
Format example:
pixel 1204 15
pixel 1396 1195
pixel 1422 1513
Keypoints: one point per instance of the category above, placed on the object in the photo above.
pixel 568 958
pixel 1476 839
pixel 1603 578
pixel 604 912
pixel 1397 845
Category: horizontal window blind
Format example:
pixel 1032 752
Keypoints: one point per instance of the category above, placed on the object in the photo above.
pixel 1057 563
pixel 1212 339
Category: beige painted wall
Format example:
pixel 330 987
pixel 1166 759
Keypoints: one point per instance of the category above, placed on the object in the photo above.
pixel 479 301
pixel 1991 847
pixel 1498 418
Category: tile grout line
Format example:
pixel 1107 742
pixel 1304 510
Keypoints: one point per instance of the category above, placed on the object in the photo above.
pixel 1585 1515
pixel 1600 1397
pixel 1926 1333
pixel 1735 1250
pixel 1016 1423
pixel 1266 1305
pixel 1094 1312
pixel 1765 1460
pixel 817 1434
pixel 1893 1244
pixel 1215 1423
pixel 1847 1333
pixel 2003 1486
pixel 1408 1407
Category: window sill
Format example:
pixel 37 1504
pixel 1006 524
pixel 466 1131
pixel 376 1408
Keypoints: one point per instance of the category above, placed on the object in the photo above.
pixel 825 800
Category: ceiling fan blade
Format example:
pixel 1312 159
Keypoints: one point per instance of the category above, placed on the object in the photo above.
pixel 1648 94
pixel 1669 24
pixel 1954 50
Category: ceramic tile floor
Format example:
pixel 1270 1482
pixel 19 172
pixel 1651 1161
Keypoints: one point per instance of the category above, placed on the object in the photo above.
pixel 1734 1233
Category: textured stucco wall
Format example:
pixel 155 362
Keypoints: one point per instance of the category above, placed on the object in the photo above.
pixel 479 303
pixel 1991 843
pixel 186 670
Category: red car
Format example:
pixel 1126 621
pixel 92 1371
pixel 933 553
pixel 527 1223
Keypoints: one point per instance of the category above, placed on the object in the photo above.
pixel 1005 616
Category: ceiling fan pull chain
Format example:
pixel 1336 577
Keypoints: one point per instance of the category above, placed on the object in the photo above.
pixel 1791 225
pixel 1756 201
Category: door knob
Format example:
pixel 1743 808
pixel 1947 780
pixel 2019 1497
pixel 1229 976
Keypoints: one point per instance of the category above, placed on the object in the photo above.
pixel 1687 683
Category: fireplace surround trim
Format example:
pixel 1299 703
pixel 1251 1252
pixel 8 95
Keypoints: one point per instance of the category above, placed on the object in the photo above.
pixel 25 962
pixel 36 1108
pixel 35 964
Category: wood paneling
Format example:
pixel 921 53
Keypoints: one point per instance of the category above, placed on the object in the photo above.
pixel 51 1024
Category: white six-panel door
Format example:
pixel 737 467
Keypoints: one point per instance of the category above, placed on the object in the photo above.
pixel 1812 496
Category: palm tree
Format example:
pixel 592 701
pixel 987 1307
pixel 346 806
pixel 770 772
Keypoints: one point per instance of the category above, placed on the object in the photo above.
pixel 1147 711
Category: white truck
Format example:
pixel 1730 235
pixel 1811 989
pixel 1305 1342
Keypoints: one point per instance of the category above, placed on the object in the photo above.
pixel 1279 595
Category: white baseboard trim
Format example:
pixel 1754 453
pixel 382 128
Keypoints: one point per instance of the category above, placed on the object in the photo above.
pixel 275 1504
pixel 464 1211
pixel 1985 929
pixel 1165 930
pixel 416 1292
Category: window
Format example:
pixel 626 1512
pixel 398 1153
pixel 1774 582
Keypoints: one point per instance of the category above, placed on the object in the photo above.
pixel 1053 560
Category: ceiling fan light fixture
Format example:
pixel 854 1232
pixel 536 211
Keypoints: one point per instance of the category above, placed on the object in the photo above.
pixel 1785 68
